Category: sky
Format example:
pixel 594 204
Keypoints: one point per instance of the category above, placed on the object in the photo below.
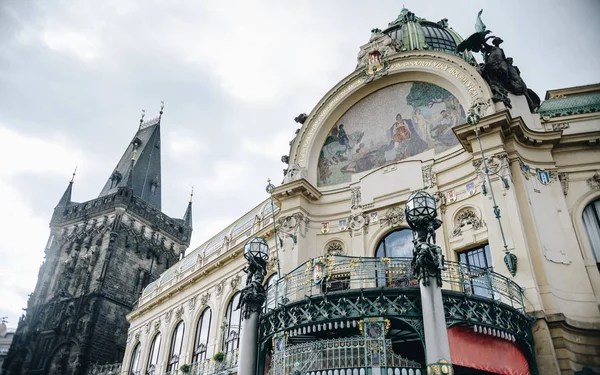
pixel 75 75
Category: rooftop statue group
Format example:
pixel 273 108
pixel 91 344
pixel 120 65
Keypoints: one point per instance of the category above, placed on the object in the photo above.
pixel 497 69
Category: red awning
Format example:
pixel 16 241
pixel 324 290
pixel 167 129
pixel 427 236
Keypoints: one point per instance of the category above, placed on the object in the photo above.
pixel 487 353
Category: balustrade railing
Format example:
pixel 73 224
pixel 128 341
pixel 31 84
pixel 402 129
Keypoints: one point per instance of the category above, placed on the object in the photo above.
pixel 336 273
pixel 210 366
pixel 350 355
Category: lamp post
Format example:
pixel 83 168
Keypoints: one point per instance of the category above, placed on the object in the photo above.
pixel 427 265
pixel 473 118
pixel 253 296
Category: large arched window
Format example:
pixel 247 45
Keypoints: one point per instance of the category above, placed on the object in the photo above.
pixel 591 221
pixel 153 357
pixel 396 244
pixel 134 365
pixel 202 332
pixel 271 293
pixel 176 345
pixel 234 324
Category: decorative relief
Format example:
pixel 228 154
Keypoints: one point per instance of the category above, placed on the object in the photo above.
pixel 147 327
pixel 358 222
pixel 272 264
pixel 294 172
pixel 137 336
pixel 219 288
pixel 466 216
pixel 179 313
pixel 294 223
pixel 192 303
pixel 393 217
pixel 440 200
pixel 204 299
pixel 497 164
pixel 563 177
pixel 335 248
pixel 168 316
pixel 355 198
pixel 235 281
pixel 156 324
pixel 429 177
pixel 594 182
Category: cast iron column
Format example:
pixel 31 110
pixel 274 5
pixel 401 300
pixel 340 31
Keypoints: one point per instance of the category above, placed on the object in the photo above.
pixel 252 298
pixel 426 265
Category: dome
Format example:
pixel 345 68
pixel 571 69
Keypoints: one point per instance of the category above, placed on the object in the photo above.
pixel 415 33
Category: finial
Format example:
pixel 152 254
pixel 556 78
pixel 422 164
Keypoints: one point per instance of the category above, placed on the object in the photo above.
pixel 162 107
pixel 142 118
pixel 74 172
pixel 192 194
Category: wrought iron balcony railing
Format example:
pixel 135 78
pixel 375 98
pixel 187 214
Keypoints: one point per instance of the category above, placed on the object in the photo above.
pixel 333 274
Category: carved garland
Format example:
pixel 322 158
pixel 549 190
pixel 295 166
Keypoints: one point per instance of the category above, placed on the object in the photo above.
pixel 467 216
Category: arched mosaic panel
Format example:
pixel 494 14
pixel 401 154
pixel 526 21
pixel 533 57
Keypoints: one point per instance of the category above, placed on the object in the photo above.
pixel 391 124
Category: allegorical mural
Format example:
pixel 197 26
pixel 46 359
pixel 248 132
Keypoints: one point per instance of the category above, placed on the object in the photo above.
pixel 391 124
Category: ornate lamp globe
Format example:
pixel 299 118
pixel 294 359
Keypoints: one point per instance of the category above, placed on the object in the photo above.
pixel 420 207
pixel 257 248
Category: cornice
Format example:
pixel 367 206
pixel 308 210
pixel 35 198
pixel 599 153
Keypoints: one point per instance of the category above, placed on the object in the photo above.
pixel 295 188
pixel 515 127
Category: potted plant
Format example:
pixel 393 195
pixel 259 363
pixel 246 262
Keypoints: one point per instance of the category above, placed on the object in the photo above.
pixel 185 368
pixel 219 356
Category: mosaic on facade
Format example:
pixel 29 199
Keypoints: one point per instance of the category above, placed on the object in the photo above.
pixel 391 124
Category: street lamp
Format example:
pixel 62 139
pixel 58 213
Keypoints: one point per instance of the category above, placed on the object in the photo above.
pixel 256 248
pixel 253 296
pixel 427 265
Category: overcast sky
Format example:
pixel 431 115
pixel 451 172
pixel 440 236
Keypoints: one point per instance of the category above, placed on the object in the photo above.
pixel 74 76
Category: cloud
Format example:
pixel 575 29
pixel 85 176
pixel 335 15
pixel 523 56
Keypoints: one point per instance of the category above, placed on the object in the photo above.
pixel 75 75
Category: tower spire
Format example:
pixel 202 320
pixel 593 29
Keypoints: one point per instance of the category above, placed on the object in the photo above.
pixel 187 217
pixel 66 197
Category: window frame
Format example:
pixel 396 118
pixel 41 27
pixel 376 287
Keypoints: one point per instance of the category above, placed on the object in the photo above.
pixel 178 335
pixel 150 365
pixel 477 273
pixel 200 355
pixel 231 337
pixel 135 359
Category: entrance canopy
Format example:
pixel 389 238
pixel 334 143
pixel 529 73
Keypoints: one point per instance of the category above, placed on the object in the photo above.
pixel 487 353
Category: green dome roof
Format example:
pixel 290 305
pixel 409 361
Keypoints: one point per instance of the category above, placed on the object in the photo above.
pixel 416 33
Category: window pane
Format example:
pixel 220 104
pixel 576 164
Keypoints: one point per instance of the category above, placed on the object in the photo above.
pixel 591 222
pixel 134 366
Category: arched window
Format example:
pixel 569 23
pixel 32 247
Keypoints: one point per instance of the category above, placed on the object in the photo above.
pixel 153 357
pixel 591 221
pixel 202 332
pixel 271 293
pixel 134 365
pixel 396 244
pixel 176 345
pixel 234 324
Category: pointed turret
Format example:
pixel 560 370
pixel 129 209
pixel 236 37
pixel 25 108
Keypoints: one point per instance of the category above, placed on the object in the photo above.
pixel 66 197
pixel 142 172
pixel 187 217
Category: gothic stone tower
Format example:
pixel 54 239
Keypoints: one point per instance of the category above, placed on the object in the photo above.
pixel 99 257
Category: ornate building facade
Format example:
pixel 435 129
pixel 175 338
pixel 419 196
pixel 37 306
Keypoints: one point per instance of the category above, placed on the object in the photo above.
pixel 99 257
pixel 517 188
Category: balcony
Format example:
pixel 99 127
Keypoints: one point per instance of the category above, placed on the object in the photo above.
pixel 328 297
